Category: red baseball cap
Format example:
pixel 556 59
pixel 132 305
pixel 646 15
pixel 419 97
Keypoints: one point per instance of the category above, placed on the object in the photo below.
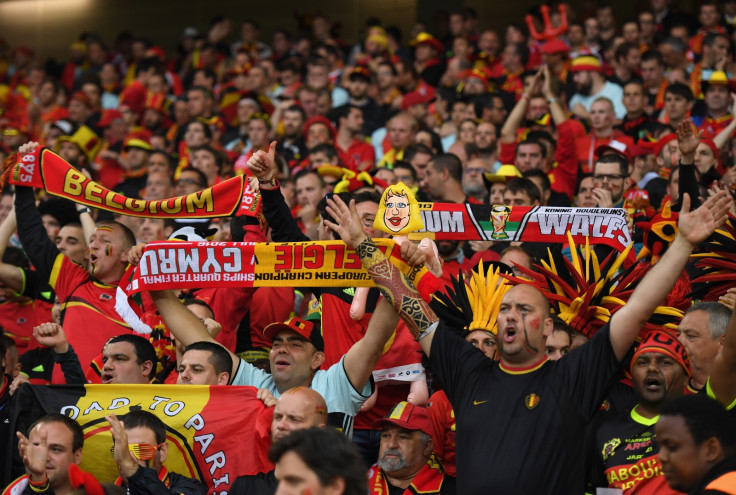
pixel 615 146
pixel 555 46
pixel 414 98
pixel 662 142
pixel 304 328
pixel 109 116
pixel 407 416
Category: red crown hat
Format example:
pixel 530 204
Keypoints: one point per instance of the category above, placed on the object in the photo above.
pixel 549 31
pixel 428 39
pixel 407 416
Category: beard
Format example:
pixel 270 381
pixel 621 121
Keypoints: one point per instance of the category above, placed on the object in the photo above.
pixel 474 188
pixel 585 88
pixel 446 248
pixel 392 465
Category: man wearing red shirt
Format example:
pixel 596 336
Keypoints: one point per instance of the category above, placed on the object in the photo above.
pixel 355 154
pixel 602 116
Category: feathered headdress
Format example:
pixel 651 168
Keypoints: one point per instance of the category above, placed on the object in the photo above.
pixel 592 291
pixel 717 259
pixel 472 305
pixel 659 229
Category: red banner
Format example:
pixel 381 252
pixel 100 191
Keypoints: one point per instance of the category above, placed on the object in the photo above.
pixel 215 434
pixel 47 170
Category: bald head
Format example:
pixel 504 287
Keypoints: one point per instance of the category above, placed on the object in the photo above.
pixel 531 294
pixel 298 408
pixel 523 323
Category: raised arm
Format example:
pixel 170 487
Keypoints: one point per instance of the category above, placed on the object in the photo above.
pixel 722 137
pixel 275 209
pixel 36 243
pixel 184 324
pixel 688 139
pixel 722 380
pixel 10 275
pixel 694 227
pixel 555 107
pixel 516 117
pixel 361 358
pixel 399 291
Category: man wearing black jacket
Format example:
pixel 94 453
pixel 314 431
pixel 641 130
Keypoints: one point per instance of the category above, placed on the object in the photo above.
pixel 142 472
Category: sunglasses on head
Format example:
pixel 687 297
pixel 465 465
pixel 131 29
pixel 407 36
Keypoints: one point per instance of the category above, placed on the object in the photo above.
pixel 142 451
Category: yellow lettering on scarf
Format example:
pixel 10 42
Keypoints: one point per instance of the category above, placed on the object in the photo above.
pixel 73 183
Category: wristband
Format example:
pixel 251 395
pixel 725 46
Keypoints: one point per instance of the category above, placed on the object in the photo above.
pixel 552 100
pixel 272 182
pixel 84 210
pixel 428 331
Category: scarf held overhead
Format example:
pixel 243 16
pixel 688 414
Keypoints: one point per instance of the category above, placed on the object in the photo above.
pixel 453 221
pixel 46 170
pixel 188 265
pixel 399 213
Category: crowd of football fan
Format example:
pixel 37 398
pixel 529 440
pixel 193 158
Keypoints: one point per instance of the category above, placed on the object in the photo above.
pixel 587 371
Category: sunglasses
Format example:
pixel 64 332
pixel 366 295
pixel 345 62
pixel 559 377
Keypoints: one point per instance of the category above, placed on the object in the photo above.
pixel 142 451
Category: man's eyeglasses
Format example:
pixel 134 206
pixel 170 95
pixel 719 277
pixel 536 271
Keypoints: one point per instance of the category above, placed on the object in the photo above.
pixel 478 170
pixel 190 182
pixel 142 451
pixel 610 177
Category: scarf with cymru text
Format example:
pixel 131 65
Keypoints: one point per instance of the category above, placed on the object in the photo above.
pixel 47 170
pixel 189 265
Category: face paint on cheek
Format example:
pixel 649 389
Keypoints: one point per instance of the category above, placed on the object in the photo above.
pixel 527 345
pixel 108 250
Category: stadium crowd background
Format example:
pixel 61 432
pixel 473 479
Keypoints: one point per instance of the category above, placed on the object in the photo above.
pixel 566 106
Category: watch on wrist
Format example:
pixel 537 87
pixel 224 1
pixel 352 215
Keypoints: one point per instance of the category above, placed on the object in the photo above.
pixel 84 210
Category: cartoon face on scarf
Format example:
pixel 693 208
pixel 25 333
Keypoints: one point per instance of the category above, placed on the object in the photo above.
pixel 398 212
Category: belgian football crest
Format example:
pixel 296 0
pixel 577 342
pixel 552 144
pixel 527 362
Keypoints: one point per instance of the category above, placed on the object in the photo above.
pixel 531 401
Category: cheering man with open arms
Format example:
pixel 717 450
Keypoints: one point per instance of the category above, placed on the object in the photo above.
pixel 296 353
pixel 520 421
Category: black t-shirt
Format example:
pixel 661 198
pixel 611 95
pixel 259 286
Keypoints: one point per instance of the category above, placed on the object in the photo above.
pixel 521 431
pixel 626 454
pixel 257 484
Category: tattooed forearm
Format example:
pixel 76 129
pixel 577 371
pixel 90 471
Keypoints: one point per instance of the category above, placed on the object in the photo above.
pixel 394 285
